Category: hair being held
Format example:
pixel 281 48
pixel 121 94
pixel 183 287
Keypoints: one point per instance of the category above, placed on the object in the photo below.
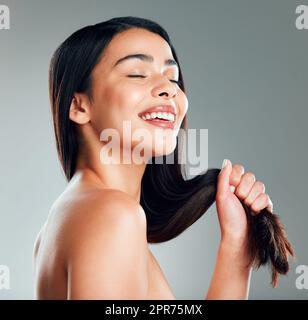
pixel 174 204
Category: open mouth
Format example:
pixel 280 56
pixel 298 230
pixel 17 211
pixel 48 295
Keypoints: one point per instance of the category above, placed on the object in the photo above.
pixel 165 120
pixel 162 116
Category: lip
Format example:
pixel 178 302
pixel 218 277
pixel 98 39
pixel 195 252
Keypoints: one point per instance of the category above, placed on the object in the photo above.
pixel 161 123
pixel 158 122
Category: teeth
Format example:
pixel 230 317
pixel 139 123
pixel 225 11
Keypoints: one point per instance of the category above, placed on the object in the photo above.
pixel 162 115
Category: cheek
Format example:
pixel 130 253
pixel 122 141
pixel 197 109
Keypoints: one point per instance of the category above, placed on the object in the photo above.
pixel 128 98
pixel 182 103
pixel 118 102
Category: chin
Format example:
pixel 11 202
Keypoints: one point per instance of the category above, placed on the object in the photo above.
pixel 153 142
pixel 163 149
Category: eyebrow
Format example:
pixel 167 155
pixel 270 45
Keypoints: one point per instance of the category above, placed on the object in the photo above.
pixel 146 58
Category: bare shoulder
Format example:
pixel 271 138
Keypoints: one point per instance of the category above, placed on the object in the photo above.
pixel 91 213
pixel 104 206
pixel 106 239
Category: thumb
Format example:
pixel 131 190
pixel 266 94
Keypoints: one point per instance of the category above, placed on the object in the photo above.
pixel 223 185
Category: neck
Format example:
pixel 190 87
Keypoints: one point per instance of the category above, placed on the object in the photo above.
pixel 120 176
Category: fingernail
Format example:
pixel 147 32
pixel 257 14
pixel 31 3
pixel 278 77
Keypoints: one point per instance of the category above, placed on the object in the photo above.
pixel 232 189
pixel 224 163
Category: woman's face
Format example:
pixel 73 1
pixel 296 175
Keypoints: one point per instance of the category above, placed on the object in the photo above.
pixel 124 90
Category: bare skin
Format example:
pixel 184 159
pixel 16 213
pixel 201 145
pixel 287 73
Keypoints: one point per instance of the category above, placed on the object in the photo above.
pixel 84 231
pixel 93 244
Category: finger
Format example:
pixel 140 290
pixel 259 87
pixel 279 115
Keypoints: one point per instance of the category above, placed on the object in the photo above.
pixel 243 189
pixel 236 174
pixel 223 185
pixel 261 202
pixel 257 188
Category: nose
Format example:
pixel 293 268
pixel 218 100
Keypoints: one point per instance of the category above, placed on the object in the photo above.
pixel 165 88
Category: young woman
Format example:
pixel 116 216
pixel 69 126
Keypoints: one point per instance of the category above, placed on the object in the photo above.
pixel 94 244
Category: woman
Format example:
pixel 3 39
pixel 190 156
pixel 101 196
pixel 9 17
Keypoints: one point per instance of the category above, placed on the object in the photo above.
pixel 94 243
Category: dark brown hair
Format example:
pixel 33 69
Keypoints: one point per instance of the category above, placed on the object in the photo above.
pixel 171 202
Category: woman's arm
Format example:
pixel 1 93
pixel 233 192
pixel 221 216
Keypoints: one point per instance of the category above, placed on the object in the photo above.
pixel 232 272
pixel 231 278
pixel 107 250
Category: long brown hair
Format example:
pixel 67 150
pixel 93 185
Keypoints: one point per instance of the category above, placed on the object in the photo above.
pixel 171 202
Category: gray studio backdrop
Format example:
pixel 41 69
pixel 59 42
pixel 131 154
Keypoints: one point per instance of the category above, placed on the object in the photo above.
pixel 246 72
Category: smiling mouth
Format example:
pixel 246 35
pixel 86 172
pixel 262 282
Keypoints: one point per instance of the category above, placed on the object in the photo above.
pixel 165 116
pixel 161 119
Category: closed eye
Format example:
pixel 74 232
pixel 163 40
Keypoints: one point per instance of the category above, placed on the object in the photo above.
pixel 141 76
pixel 135 76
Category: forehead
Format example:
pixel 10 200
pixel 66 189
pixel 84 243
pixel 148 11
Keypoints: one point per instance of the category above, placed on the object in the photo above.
pixel 137 40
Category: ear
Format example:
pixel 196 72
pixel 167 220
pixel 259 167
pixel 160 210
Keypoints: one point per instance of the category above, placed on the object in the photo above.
pixel 80 109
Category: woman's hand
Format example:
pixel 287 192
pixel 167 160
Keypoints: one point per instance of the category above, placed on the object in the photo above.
pixel 233 267
pixel 233 187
